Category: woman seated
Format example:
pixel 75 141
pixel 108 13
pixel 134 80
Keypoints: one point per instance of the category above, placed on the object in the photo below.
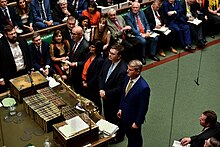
pixel 24 12
pixel 92 13
pixel 102 33
pixel 91 69
pixel 59 51
pixel 84 23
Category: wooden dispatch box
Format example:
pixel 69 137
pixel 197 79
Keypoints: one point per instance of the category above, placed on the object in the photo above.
pixel 21 86
pixel 80 139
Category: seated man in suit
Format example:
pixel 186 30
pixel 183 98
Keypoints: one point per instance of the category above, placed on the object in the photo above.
pixel 196 30
pixel 120 34
pixel 15 57
pixel 41 13
pixel 175 21
pixel 40 55
pixel 141 29
pixel 211 127
pixel 156 20
pixel 79 5
pixel 62 10
pixel 8 16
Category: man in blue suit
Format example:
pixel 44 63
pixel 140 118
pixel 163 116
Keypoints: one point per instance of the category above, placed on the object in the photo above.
pixel 141 29
pixel 175 21
pixel 41 13
pixel 40 55
pixel 134 103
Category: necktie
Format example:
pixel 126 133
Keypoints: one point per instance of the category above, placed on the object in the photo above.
pixel 157 14
pixel 141 28
pixel 119 28
pixel 74 48
pixel 39 49
pixel 7 17
pixel 43 16
pixel 128 87
pixel 74 5
pixel 109 71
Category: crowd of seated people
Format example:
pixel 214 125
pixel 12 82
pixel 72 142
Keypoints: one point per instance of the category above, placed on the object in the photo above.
pixel 92 44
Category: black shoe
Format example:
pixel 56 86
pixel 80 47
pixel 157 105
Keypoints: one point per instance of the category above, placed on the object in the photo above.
pixel 153 57
pixel 212 36
pixel 188 48
pixel 200 44
pixel 143 61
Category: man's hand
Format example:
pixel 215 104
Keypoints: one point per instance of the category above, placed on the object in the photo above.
pixel 49 23
pixel 2 82
pixel 46 72
pixel 185 141
pixel 102 94
pixel 73 64
pixel 171 13
pixel 119 113
pixel 134 126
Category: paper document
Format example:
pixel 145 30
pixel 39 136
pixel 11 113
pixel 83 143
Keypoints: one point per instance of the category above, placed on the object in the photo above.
pixel 163 29
pixel 74 125
pixel 178 144
pixel 52 82
pixel 195 21
pixel 153 35
pixel 107 127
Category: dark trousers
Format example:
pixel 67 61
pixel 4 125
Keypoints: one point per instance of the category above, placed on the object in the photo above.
pixel 134 137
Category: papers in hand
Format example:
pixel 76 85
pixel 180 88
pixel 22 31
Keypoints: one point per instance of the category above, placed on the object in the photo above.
pixel 163 29
pixel 195 21
pixel 52 82
pixel 178 144
pixel 107 127
pixel 66 61
pixel 153 35
pixel 73 126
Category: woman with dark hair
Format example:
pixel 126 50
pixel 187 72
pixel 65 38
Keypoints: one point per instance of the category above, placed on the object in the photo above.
pixel 102 33
pixel 92 13
pixel 84 23
pixel 25 14
pixel 59 51
pixel 90 73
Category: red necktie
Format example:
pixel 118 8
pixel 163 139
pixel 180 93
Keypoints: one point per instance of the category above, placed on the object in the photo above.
pixel 141 28
pixel 119 28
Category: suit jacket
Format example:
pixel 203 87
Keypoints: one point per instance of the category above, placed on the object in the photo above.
pixel 151 19
pixel 14 18
pixel 199 140
pixel 42 59
pixel 34 5
pixel 80 54
pixel 131 21
pixel 115 32
pixel 113 86
pixel 175 18
pixel 58 15
pixel 67 36
pixel 7 63
pixel 134 105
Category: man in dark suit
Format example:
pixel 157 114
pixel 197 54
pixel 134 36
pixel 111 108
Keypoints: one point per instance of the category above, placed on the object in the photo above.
pixel 62 10
pixel 41 13
pixel 157 20
pixel 77 57
pixel 134 103
pixel 7 15
pixel 121 34
pixel 211 128
pixel 67 30
pixel 40 55
pixel 141 29
pixel 15 57
pixel 175 21
pixel 111 79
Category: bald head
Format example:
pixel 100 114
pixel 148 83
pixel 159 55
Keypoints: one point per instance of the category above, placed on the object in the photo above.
pixel 77 33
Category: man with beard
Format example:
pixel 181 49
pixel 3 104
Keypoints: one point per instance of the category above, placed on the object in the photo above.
pixel 15 57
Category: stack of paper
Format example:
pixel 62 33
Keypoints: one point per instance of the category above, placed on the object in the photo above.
pixel 178 144
pixel 107 127
pixel 74 125
pixel 163 29
pixel 195 21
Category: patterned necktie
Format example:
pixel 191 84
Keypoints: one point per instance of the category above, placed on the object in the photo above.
pixel 128 87
pixel 43 16
pixel 119 28
pixel 141 28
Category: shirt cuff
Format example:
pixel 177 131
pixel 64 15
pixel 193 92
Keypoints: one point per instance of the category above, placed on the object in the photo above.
pixel 2 79
pixel 41 69
pixel 47 66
